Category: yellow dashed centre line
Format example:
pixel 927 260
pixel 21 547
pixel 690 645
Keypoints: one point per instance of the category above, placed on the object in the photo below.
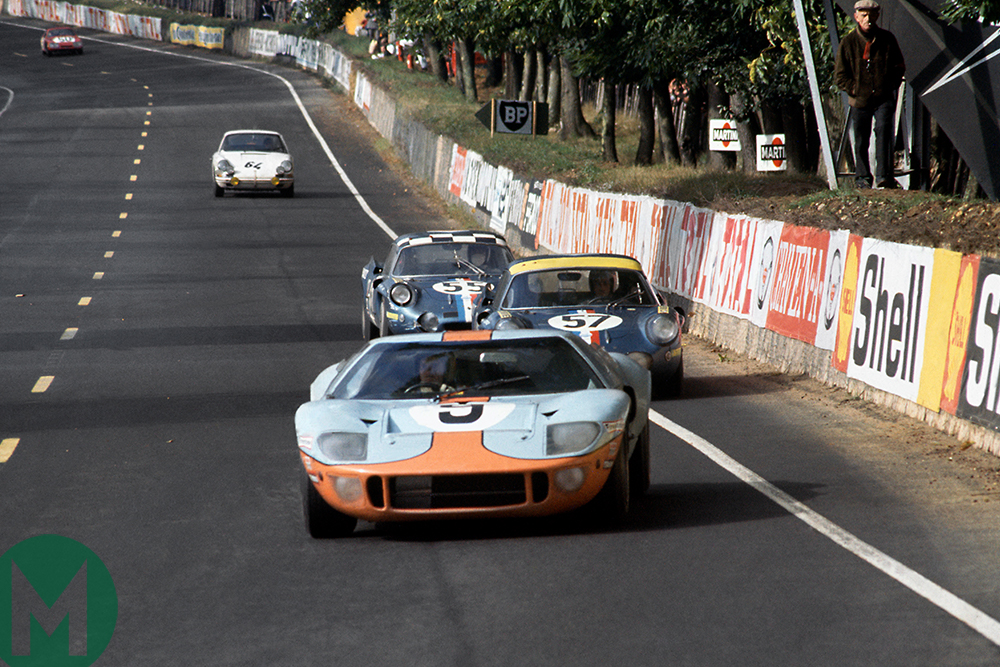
pixel 7 447
pixel 43 384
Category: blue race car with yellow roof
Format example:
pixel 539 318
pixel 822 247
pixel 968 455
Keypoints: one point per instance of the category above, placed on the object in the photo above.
pixel 605 299
pixel 431 281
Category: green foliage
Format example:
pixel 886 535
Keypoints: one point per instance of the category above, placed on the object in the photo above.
pixel 973 10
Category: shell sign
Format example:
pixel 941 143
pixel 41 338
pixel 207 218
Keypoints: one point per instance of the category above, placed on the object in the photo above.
pixel 771 152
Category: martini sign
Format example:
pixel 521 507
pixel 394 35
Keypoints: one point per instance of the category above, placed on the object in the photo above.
pixel 723 135
pixel 771 152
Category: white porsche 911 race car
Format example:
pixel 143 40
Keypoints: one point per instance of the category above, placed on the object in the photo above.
pixel 253 160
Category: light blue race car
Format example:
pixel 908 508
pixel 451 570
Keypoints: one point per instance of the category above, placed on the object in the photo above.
pixel 430 282
pixel 473 424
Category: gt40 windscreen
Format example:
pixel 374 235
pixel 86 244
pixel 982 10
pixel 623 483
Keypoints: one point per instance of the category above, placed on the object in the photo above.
pixel 483 368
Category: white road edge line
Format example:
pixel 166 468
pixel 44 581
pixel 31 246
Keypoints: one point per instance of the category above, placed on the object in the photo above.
pixel 298 102
pixel 985 625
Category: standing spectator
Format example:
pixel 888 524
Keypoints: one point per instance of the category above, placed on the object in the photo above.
pixel 869 69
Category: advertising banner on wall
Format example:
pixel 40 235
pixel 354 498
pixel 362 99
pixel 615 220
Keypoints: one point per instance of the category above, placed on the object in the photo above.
pixel 197 35
pixel 833 281
pixel 885 344
pixel 725 283
pixel 958 333
pixel 979 399
pixel 763 271
pixel 797 298
pixel 500 199
pixel 458 158
pixel 685 245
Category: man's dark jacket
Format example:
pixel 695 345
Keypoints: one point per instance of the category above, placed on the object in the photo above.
pixel 872 80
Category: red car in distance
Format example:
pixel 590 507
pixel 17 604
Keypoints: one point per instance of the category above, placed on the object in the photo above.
pixel 61 39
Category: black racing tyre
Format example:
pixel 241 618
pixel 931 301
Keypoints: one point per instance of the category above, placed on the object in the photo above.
pixel 368 329
pixel 219 191
pixel 288 192
pixel 611 504
pixel 322 521
pixel 638 466
pixel 383 323
pixel 675 383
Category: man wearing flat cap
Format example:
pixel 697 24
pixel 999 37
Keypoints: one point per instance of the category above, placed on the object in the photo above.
pixel 869 69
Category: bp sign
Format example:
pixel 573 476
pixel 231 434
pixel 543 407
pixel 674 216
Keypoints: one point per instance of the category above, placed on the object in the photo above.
pixel 58 604
pixel 515 117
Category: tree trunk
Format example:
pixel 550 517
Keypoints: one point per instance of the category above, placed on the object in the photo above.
pixel 541 76
pixel 467 62
pixel 435 58
pixel 691 129
pixel 528 77
pixel 511 75
pixel 747 128
pixel 572 122
pixel 796 142
pixel 665 123
pixel 647 126
pixel 718 101
pixel 555 92
pixel 608 110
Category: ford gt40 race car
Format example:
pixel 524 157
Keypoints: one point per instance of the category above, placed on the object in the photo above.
pixel 430 281
pixel 470 424
pixel 604 299
pixel 61 39
pixel 253 160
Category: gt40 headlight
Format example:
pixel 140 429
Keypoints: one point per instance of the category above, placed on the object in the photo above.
pixel 283 168
pixel 662 329
pixel 340 447
pixel 570 438
pixel 225 166
pixel 401 294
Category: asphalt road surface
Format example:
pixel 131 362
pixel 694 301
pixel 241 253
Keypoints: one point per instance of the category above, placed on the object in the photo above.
pixel 155 342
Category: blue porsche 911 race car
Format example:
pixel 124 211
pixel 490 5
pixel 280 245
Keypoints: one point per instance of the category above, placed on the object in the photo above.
pixel 605 299
pixel 430 282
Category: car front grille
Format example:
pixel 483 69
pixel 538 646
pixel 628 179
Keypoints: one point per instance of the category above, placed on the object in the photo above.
pixel 463 491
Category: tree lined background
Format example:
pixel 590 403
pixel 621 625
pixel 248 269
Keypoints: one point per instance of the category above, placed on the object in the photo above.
pixel 671 65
